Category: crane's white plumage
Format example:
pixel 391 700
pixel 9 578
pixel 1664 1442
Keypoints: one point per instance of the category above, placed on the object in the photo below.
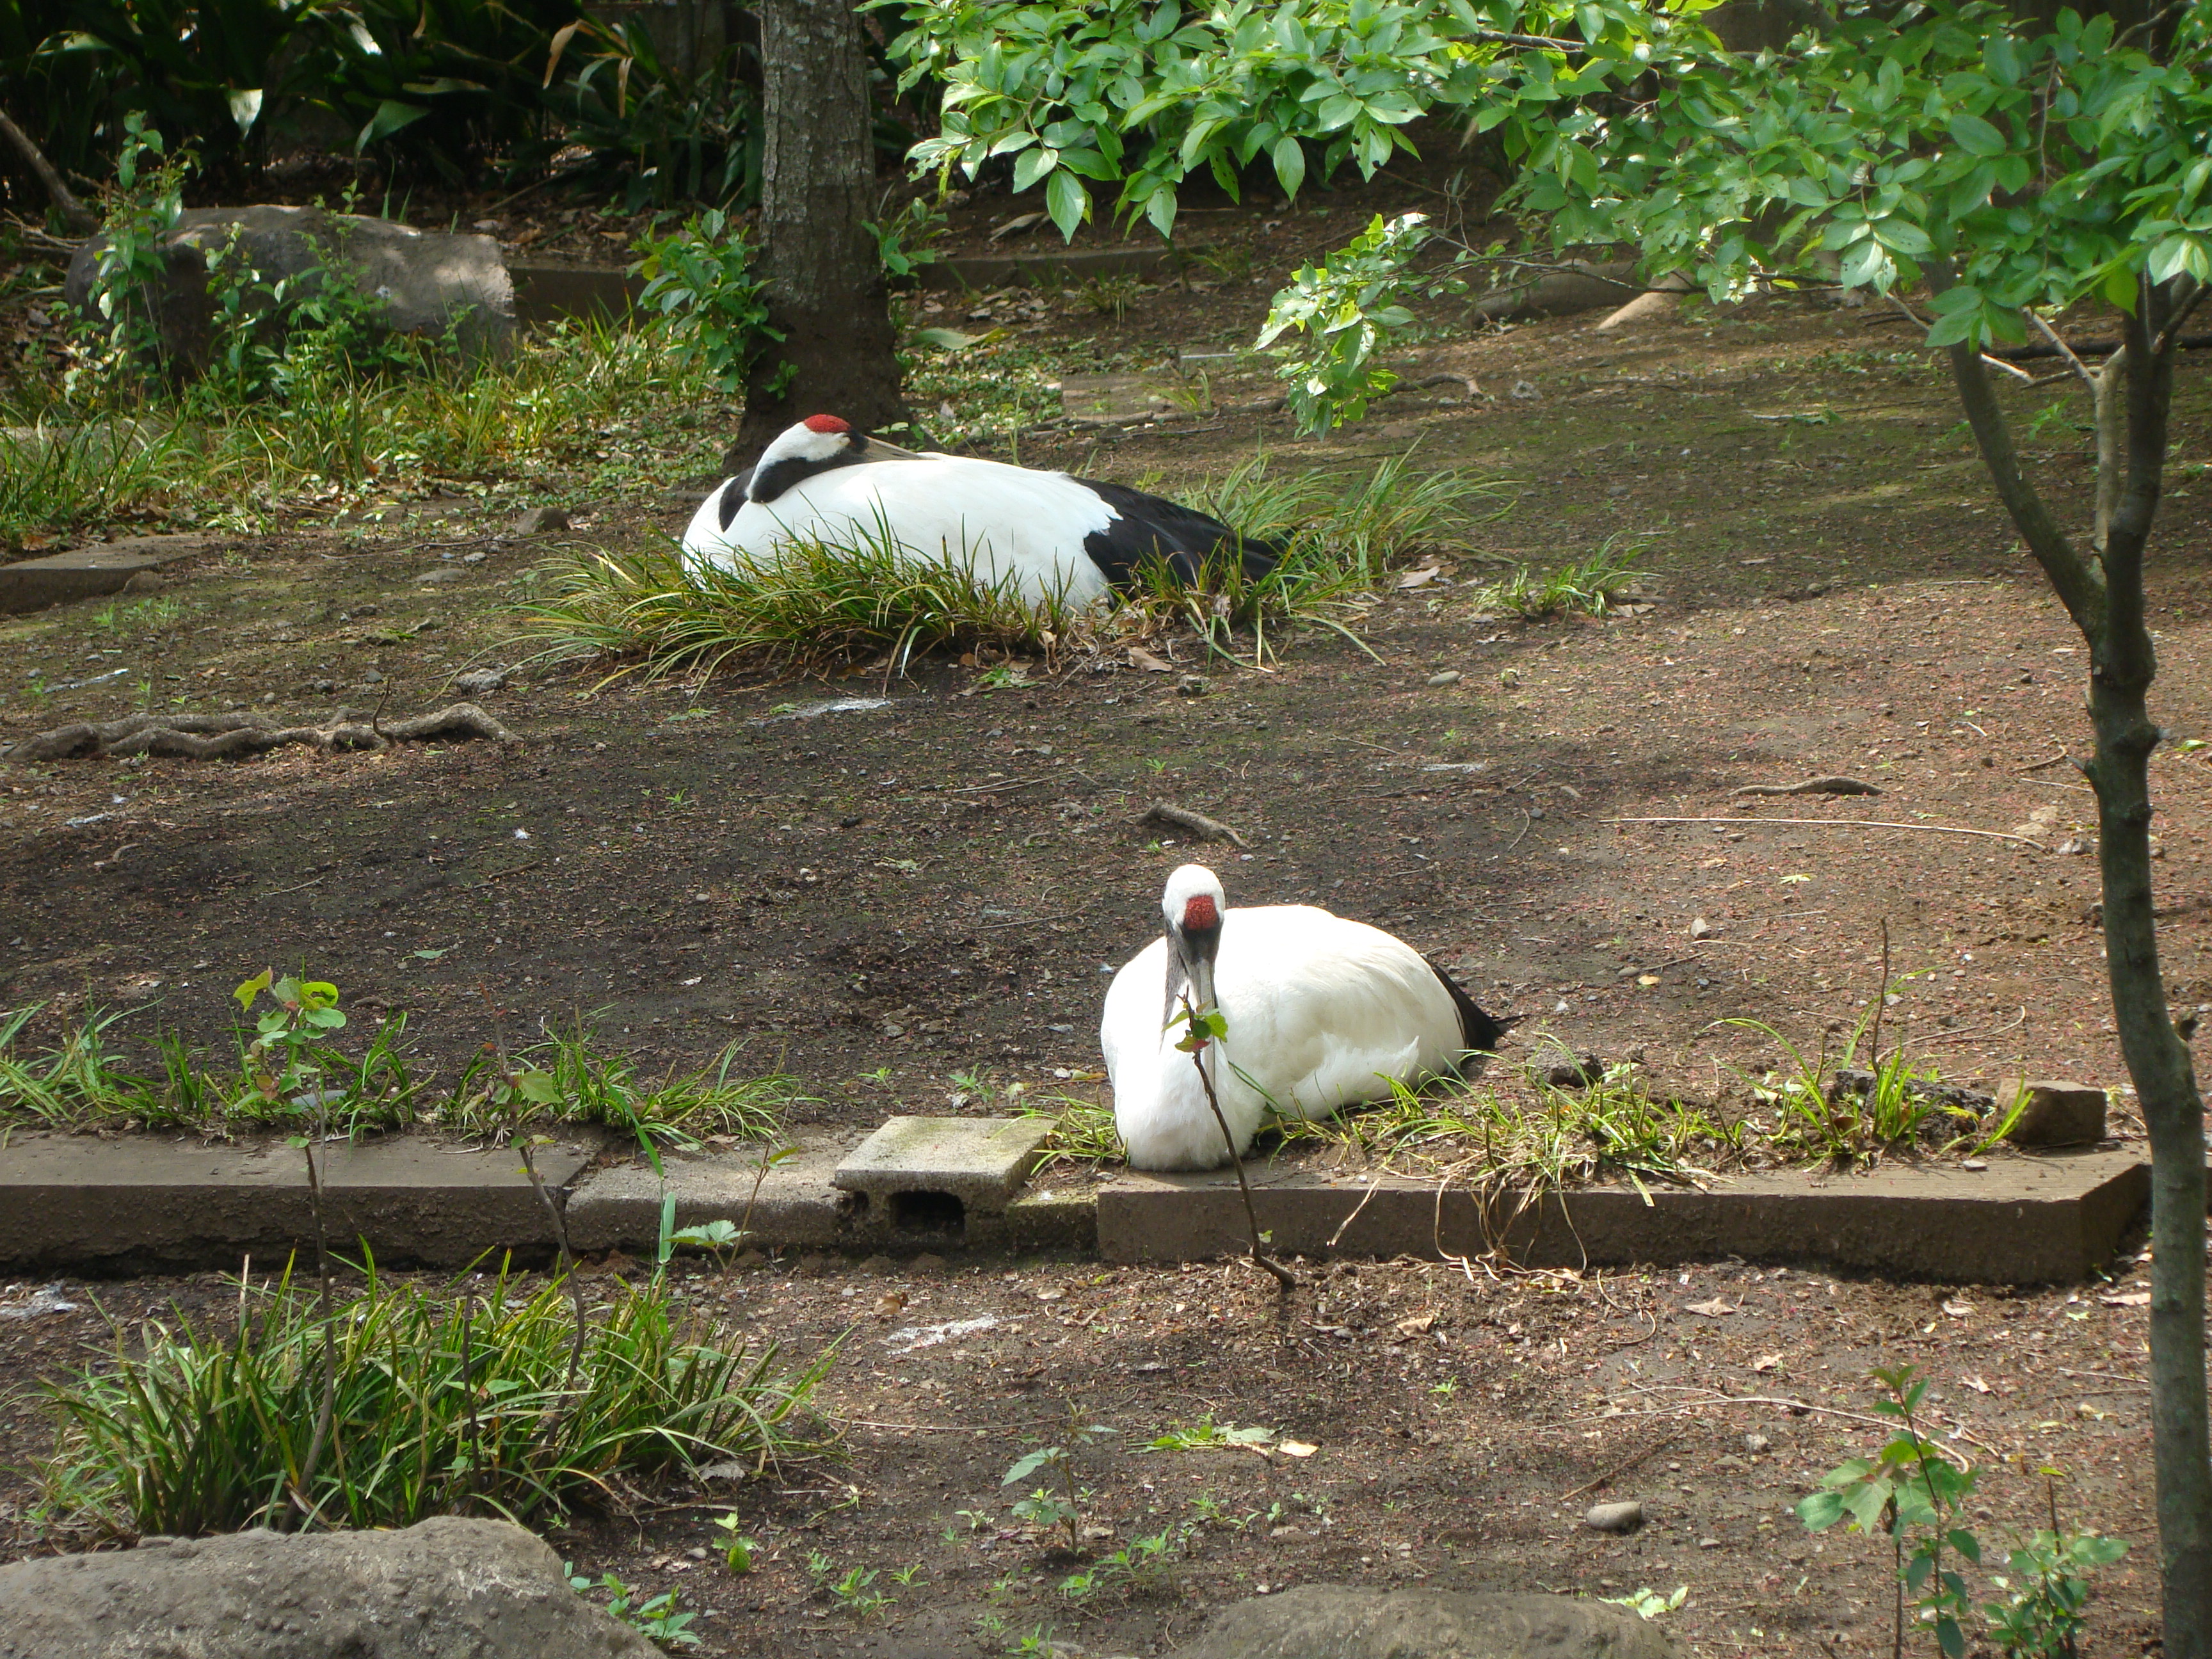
pixel 1321 1012
pixel 1047 534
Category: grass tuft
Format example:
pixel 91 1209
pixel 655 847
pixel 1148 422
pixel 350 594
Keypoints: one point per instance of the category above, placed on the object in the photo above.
pixel 445 1402
pixel 58 477
pixel 1585 587
pixel 824 602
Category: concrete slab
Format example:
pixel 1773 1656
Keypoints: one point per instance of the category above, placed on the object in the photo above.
pixel 979 272
pixel 140 1203
pixel 88 571
pixel 1110 399
pixel 2021 1221
pixel 1055 1218
pixel 619 1206
pixel 545 293
pixel 920 1173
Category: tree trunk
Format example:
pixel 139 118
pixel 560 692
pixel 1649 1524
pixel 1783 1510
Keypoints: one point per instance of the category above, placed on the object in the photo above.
pixel 2104 598
pixel 826 289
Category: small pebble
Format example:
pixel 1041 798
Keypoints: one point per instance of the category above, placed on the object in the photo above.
pixel 1445 677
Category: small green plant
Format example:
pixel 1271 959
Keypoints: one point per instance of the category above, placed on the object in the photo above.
pixel 1347 308
pixel 700 279
pixel 1058 1503
pixel 1207 1435
pixel 1649 1603
pixel 855 1594
pixel 656 1617
pixel 1082 1130
pixel 291 1032
pixel 1916 1496
pixel 1212 1512
pixel 737 1550
pixel 905 241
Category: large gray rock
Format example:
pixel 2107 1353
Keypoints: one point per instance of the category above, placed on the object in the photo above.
pixel 420 282
pixel 448 1589
pixel 1332 1621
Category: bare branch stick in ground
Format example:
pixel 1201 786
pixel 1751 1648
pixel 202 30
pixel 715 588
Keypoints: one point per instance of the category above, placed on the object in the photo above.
pixel 1197 823
pixel 1620 1469
pixel 1284 1277
pixel 79 218
pixel 225 737
pixel 1845 823
pixel 1837 786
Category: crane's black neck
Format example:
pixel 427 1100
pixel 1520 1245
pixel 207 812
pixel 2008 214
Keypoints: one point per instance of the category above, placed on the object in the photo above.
pixel 773 480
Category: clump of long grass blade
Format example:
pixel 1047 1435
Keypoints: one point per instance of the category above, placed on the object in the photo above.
pixel 596 1085
pixel 79 1078
pixel 72 1080
pixel 54 477
pixel 1082 1130
pixel 446 1401
pixel 1360 523
pixel 1815 1117
pixel 1339 532
pixel 818 603
pixel 1582 588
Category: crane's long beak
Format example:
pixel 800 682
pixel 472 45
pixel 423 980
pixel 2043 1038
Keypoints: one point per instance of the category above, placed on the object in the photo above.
pixel 1201 980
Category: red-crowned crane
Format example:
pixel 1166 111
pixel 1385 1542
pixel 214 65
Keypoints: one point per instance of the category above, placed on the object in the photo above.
pixel 1321 1012
pixel 1052 534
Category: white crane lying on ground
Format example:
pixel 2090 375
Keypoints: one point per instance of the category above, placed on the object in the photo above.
pixel 1053 535
pixel 1321 1012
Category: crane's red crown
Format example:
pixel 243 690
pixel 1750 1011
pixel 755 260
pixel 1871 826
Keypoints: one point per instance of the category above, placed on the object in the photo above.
pixel 826 423
pixel 1200 914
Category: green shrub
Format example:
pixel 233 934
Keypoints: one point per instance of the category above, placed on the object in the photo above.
pixel 479 1396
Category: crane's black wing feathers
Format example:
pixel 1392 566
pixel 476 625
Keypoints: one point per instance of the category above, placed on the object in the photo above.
pixel 1149 527
pixel 1482 1032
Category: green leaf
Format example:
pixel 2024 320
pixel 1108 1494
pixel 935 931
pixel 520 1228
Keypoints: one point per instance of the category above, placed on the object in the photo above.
pixel 1290 158
pixel 1977 136
pixel 1030 1465
pixel 1033 164
pixel 391 116
pixel 538 1087
pixel 252 989
pixel 1068 202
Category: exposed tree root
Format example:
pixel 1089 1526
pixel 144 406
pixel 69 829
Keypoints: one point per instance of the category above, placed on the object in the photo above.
pixel 1197 823
pixel 228 736
pixel 1811 786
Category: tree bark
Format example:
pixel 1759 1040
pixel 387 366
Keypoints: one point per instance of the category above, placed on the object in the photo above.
pixel 2104 597
pixel 826 290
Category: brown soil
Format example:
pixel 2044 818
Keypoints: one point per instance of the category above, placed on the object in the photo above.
pixel 1461 1426
pixel 878 900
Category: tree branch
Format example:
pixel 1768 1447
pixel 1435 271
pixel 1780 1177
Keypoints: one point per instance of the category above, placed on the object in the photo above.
pixel 2064 350
pixel 2081 585
pixel 2168 335
pixel 79 218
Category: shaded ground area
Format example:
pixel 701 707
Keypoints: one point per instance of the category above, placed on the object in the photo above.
pixel 908 902
pixel 934 885
pixel 1459 1426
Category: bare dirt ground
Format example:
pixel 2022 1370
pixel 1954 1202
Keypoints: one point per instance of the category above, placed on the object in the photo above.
pixel 887 902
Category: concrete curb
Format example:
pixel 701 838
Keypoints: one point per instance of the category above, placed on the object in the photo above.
pixel 85 573
pixel 140 1204
pixel 2022 1221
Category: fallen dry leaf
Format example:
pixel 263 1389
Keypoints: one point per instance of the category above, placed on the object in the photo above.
pixel 2096 1413
pixel 2127 1300
pixel 1958 1310
pixel 1296 1448
pixel 1976 1383
pixel 1419 578
pixel 890 1302
pixel 1713 1309
pixel 1416 1325
pixel 1144 659
pixel 1767 1362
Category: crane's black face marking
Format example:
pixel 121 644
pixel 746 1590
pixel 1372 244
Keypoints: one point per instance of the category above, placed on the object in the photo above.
pixel 1151 528
pixel 770 482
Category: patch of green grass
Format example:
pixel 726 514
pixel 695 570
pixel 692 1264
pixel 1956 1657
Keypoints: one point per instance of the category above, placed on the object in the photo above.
pixel 1586 588
pixel 818 605
pixel 473 1397
pixel 602 1086
pixel 59 477
pixel 1082 1130
pixel 83 1077
pixel 824 602
pixel 580 409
